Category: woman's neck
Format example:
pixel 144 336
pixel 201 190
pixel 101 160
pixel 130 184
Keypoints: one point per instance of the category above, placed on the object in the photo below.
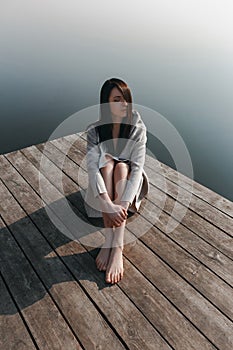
pixel 116 126
pixel 116 120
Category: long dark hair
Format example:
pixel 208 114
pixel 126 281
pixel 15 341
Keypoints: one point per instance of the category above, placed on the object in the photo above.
pixel 106 124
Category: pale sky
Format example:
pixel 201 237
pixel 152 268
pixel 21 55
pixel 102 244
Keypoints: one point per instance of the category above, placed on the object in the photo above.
pixel 177 22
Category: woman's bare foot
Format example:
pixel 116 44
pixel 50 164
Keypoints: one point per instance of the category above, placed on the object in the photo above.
pixel 115 269
pixel 104 253
pixel 103 258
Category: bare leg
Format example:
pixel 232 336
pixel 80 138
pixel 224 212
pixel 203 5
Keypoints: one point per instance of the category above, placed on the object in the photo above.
pixel 104 253
pixel 115 268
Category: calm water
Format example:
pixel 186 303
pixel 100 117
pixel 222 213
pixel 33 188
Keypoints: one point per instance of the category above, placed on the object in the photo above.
pixel 55 57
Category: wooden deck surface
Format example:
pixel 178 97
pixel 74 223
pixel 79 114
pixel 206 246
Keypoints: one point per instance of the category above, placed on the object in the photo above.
pixel 176 292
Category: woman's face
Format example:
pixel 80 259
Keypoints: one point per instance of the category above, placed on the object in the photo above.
pixel 117 103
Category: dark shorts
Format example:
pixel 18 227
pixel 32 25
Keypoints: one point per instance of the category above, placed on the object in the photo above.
pixel 126 161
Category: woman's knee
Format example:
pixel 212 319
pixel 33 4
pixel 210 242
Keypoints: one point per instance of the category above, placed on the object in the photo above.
pixel 121 168
pixel 108 167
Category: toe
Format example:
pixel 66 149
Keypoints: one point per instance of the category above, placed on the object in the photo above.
pixel 108 279
pixel 101 267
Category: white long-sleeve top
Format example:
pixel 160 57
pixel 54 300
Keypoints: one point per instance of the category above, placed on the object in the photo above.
pixel 134 151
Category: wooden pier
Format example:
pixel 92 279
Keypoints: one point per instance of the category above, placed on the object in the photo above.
pixel 176 292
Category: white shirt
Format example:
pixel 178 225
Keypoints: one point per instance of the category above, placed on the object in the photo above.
pixel 134 151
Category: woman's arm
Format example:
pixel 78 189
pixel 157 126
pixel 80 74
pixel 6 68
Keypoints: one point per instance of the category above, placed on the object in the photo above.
pixel 117 213
pixel 96 180
pixel 137 162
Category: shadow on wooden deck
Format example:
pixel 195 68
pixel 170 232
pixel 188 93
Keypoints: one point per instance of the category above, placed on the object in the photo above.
pixel 177 287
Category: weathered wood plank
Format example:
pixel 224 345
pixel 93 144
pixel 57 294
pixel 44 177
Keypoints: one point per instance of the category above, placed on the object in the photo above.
pixel 195 307
pixel 202 208
pixel 13 332
pixel 229 326
pixel 198 225
pixel 174 326
pixel 203 192
pixel 146 337
pixel 204 280
pixel 44 320
pixel 208 255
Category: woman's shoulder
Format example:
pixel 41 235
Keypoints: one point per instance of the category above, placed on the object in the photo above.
pixel 137 120
pixel 135 114
pixel 92 125
pixel 92 135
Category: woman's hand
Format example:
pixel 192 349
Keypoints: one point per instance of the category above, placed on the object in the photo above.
pixel 116 213
pixel 107 221
pixel 125 205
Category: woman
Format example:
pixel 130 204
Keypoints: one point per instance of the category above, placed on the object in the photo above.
pixel 117 181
